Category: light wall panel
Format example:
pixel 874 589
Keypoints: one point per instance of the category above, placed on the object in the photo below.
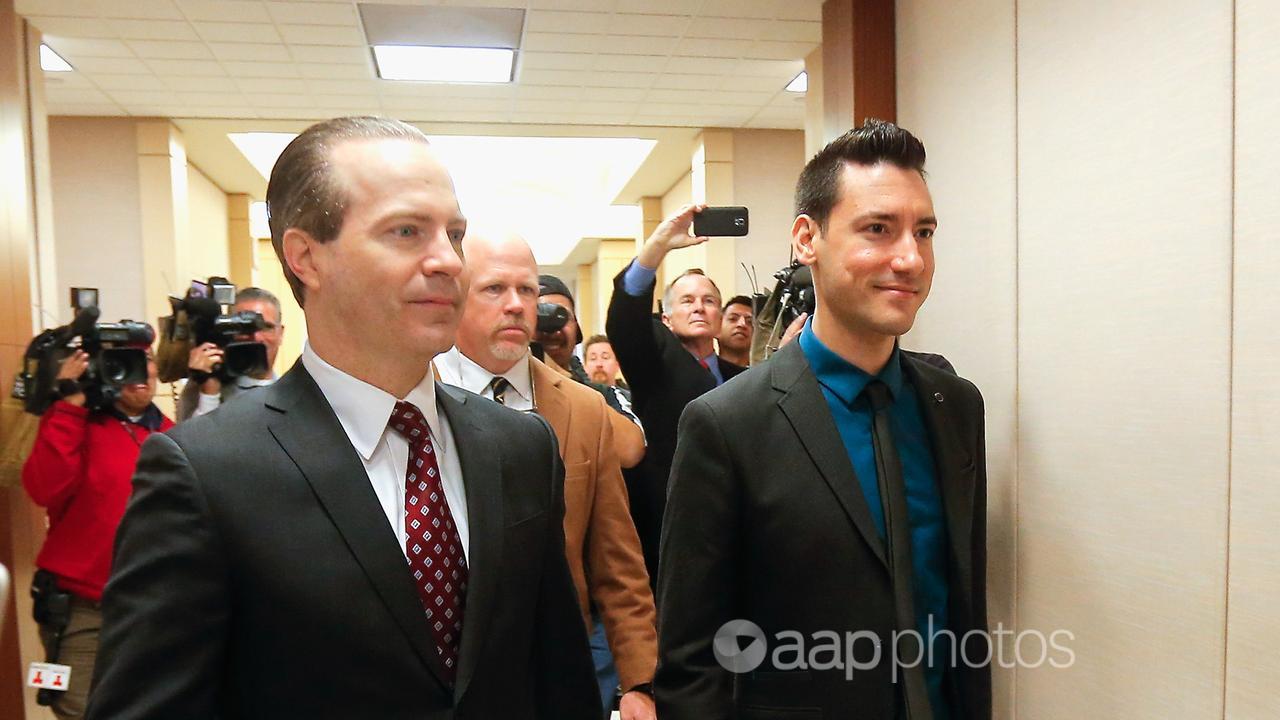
pixel 1253 668
pixel 1124 289
pixel 970 316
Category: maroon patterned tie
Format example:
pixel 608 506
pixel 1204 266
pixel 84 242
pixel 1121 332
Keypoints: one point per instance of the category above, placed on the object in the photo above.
pixel 431 542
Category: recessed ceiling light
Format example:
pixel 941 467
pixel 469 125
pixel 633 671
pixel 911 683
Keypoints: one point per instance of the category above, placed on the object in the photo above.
pixel 800 83
pixel 444 64
pixel 50 61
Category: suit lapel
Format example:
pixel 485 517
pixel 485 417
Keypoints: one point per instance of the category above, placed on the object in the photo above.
pixel 309 432
pixel 801 402
pixel 953 462
pixel 479 455
pixel 549 401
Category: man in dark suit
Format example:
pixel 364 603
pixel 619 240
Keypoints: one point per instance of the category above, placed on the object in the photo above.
pixel 667 362
pixel 355 540
pixel 834 497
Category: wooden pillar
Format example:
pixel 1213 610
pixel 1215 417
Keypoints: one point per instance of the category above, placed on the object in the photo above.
pixel 858 63
pixel 241 245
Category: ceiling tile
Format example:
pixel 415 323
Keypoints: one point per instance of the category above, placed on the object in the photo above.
pixel 331 54
pixel 237 32
pixel 553 77
pixel 324 71
pixel 322 35
pixel 221 85
pixel 62 8
pixel 187 68
pixel 76 95
pixel 262 86
pixel 224 10
pixel 638 45
pixel 615 109
pixel 540 106
pixel 772 50
pixel 690 82
pixel 701 66
pixel 628 63
pixel 83 109
pixel 142 97
pixel 115 66
pixel 801 10
pixel 672 26
pixel 659 7
pixel 71 80
pixel 251 51
pixel 550 92
pixel 313 13
pixel 218 112
pixel 212 99
pixel 342 87
pixel 555 60
pixel 239 69
pixel 154 29
pixel 339 100
pixel 128 82
pixel 795 30
pixel 756 99
pixel 706 47
pixel 592 5
pixel 619 79
pixel 785 69
pixel 567 22
pixel 170 50
pixel 739 8
pixel 78 27
pixel 614 95
pixel 286 113
pixel 730 28
pixel 561 42
pixel 280 100
pixel 71 48
pixel 141 9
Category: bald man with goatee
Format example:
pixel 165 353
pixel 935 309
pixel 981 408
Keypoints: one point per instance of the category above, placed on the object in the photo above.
pixel 491 358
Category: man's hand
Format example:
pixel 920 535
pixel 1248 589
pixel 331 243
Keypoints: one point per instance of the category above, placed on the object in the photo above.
pixel 636 705
pixel 793 330
pixel 71 369
pixel 203 359
pixel 671 234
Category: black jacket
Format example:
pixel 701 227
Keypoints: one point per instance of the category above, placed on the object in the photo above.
pixel 765 523
pixel 256 576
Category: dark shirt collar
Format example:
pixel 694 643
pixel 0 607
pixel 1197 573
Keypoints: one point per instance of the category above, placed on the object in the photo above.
pixel 151 418
pixel 844 379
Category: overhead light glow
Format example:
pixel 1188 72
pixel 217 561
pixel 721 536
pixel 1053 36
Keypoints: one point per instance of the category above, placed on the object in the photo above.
pixel 444 64
pixel 800 83
pixel 50 61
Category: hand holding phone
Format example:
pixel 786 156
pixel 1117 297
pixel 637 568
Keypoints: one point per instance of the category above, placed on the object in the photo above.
pixel 730 221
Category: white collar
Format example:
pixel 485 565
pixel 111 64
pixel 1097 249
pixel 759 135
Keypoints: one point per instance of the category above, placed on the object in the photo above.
pixel 364 410
pixel 460 370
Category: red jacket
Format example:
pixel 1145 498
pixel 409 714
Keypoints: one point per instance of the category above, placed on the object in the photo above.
pixel 81 469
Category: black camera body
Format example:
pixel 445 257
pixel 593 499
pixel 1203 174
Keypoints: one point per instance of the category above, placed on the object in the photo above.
pixel 115 360
pixel 198 318
pixel 795 288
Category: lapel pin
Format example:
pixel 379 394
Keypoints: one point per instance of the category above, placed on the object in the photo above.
pixel 937 397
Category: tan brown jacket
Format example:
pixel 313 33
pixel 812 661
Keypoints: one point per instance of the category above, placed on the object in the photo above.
pixel 600 539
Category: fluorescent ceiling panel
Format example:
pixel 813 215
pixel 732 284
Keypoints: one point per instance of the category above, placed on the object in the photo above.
pixel 799 84
pixel 444 64
pixel 442 26
pixel 51 61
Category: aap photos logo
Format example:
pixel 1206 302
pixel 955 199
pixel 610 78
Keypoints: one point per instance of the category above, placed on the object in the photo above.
pixel 740 646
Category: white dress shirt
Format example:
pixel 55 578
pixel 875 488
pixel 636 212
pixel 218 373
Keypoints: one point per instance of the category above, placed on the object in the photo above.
pixel 461 371
pixel 364 412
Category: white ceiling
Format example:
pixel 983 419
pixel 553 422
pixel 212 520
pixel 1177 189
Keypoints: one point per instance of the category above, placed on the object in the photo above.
pixel 663 63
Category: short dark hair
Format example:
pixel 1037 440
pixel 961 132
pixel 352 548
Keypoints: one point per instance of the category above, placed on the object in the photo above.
pixel 739 300
pixel 666 294
pixel 875 142
pixel 593 340
pixel 251 294
pixel 303 192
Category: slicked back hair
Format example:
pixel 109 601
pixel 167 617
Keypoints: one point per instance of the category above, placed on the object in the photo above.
pixel 304 193
pixel 667 297
pixel 877 141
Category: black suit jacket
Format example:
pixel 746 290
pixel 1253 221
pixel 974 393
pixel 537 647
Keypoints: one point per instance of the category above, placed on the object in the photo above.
pixel 765 522
pixel 256 576
pixel 663 378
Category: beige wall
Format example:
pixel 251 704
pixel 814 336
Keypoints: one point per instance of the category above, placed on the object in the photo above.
pixel 766 164
pixel 97 214
pixel 269 275
pixel 1089 280
pixel 207 233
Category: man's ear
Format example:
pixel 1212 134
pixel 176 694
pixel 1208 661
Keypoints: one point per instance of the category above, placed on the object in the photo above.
pixel 666 320
pixel 804 232
pixel 299 251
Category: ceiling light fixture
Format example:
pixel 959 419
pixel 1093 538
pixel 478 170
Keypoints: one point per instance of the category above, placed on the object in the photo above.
pixel 51 61
pixel 800 83
pixel 444 64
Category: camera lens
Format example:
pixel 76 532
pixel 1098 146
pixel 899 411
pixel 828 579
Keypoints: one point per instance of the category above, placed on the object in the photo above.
pixel 114 371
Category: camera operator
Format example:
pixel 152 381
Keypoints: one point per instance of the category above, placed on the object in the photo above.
pixel 205 392
pixel 81 470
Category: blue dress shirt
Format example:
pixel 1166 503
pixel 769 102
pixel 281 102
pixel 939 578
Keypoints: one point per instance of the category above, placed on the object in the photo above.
pixel 842 385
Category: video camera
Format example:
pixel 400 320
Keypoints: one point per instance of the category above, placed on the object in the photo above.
pixel 795 292
pixel 115 357
pixel 199 318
